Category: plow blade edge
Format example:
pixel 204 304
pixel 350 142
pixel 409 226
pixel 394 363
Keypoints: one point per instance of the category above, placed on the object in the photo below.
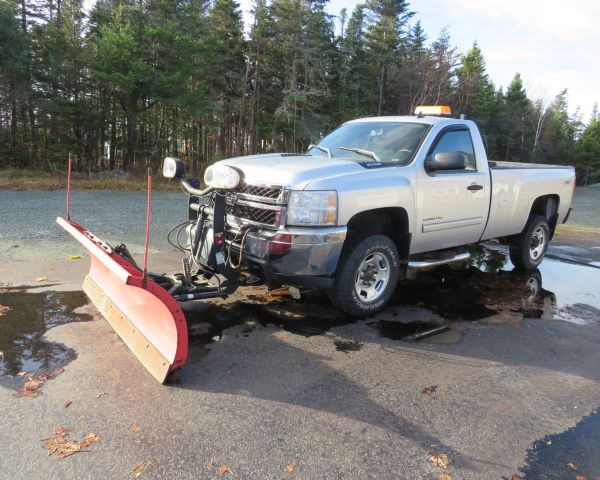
pixel 145 316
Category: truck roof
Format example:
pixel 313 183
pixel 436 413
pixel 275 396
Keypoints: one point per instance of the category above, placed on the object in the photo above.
pixel 430 120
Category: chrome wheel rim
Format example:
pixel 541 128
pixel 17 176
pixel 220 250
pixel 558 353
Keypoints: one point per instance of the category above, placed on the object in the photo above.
pixel 537 245
pixel 372 277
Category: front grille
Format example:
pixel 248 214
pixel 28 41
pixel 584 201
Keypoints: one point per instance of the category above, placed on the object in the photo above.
pixel 263 191
pixel 254 214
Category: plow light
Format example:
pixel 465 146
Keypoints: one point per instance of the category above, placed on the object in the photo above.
pixel 221 176
pixel 173 168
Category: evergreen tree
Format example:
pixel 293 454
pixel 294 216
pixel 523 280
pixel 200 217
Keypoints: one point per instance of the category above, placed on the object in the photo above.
pixel 387 20
pixel 588 153
pixel 13 73
pixel 517 135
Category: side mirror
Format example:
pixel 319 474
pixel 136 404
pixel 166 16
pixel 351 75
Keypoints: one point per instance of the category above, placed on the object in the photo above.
pixel 173 168
pixel 447 161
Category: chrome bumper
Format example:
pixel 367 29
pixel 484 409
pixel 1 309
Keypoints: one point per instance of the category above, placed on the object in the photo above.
pixel 290 253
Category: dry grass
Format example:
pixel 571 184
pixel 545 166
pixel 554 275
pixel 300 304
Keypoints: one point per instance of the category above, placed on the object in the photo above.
pixel 575 230
pixel 12 179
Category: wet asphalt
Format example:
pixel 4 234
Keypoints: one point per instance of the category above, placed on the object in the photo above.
pixel 495 368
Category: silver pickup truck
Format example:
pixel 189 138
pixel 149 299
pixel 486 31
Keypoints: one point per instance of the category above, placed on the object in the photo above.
pixel 359 209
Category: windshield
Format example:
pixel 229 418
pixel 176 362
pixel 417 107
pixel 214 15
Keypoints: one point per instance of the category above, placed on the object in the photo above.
pixel 388 142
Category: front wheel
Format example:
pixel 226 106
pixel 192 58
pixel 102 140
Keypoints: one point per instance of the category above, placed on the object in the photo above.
pixel 528 249
pixel 366 276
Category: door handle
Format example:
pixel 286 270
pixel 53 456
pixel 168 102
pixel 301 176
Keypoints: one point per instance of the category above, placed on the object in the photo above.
pixel 474 187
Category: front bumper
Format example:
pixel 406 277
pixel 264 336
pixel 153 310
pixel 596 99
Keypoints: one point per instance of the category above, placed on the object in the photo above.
pixel 299 256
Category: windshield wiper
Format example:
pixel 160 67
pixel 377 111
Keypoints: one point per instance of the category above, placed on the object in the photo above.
pixel 360 151
pixel 323 149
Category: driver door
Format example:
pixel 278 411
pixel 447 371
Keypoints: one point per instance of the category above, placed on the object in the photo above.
pixel 451 205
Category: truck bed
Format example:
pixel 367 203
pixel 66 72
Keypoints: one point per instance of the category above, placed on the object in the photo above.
pixel 515 186
pixel 494 165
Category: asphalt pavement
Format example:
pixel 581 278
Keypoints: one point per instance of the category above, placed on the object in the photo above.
pixel 495 369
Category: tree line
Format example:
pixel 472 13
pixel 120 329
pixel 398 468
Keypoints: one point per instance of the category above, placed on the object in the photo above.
pixel 133 81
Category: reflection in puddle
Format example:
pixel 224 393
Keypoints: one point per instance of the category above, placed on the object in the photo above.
pixel 23 325
pixel 488 290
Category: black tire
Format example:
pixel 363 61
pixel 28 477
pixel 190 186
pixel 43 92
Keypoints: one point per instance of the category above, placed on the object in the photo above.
pixel 523 246
pixel 343 293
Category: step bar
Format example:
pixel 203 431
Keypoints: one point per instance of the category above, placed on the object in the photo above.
pixel 435 262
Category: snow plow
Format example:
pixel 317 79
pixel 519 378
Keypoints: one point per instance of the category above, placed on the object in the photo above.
pixel 143 307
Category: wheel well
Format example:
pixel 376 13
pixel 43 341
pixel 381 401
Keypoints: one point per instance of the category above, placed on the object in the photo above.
pixel 546 206
pixel 391 221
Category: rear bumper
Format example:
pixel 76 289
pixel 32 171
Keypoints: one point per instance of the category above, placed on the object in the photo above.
pixel 296 256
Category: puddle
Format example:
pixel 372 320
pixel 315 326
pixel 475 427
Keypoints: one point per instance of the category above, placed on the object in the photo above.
pixel 22 328
pixel 428 308
pixel 407 331
pixel 549 458
pixel 490 290
pixel 347 346
pixel 207 322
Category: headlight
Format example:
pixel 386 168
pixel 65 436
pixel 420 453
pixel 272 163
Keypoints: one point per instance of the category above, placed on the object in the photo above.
pixel 221 176
pixel 312 208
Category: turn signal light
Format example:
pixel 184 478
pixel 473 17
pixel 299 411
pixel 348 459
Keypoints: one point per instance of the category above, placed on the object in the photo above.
pixel 281 244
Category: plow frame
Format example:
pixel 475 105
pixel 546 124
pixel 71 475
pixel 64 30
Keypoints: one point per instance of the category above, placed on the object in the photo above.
pixel 145 315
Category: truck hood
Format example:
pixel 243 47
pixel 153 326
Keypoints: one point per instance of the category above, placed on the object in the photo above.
pixel 292 171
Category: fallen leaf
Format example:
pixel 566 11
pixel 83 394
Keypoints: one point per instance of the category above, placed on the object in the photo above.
pixel 572 465
pixel 581 477
pixel 74 257
pixel 139 468
pixel 223 469
pixel 62 431
pixel 45 375
pixel 41 279
pixel 23 373
pixel 439 459
pixel 136 429
pixel 516 477
pixel 68 448
pixel 91 438
pixel 68 403
pixel 27 393
pixel 101 394
pixel 444 476
pixel 429 390
pixel 33 384
pixel 53 444
pixel 3 309
pixel 59 444
pixel 58 371
pixel 64 447
pixel 292 466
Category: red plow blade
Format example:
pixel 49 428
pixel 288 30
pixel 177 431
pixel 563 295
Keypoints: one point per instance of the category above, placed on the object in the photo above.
pixel 144 314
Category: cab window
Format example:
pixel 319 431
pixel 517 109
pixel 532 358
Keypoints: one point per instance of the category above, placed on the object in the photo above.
pixel 457 141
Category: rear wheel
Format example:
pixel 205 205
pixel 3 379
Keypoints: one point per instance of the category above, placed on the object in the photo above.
pixel 367 275
pixel 528 249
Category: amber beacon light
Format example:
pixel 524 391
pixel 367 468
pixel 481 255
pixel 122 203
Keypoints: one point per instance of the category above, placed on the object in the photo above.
pixel 433 110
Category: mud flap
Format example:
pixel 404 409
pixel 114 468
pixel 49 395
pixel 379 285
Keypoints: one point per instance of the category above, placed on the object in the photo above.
pixel 143 314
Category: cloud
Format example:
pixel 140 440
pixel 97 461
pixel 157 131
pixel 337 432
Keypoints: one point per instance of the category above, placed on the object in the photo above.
pixel 575 21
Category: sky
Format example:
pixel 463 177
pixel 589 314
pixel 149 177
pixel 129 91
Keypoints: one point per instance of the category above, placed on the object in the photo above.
pixel 553 44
